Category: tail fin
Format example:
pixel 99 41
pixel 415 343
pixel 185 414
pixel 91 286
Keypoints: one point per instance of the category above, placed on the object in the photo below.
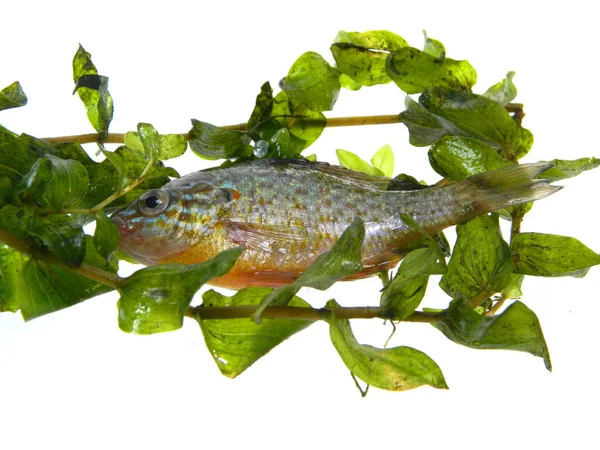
pixel 503 188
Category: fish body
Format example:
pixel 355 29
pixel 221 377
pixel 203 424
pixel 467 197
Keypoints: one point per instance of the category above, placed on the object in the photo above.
pixel 285 213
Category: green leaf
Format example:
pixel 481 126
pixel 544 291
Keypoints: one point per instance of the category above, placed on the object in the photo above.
pixel 155 299
pixel 424 127
pixel 550 255
pixel 523 142
pixel 236 344
pixel 344 259
pixel 58 233
pixel 517 328
pixel 471 115
pixel 352 161
pixel 11 269
pixel 170 145
pixel 6 190
pixel 480 262
pixel 361 56
pixel 93 91
pixel 313 82
pixel 503 92
pixel 414 71
pixel 106 236
pixel 434 47
pixel 458 157
pixel 55 183
pixel 383 160
pixel 406 290
pixel 150 140
pixel 348 83
pixel 212 142
pixel 394 369
pixel 262 107
pixel 46 289
pixel 563 168
pixel 513 288
pixel 12 96
pixel 18 154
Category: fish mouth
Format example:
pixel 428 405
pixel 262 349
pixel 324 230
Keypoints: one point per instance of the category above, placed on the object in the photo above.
pixel 122 226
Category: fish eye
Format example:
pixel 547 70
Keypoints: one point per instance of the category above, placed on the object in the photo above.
pixel 153 202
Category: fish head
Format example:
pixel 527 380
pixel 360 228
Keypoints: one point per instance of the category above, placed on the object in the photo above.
pixel 163 223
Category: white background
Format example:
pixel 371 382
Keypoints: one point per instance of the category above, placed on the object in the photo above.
pixel 73 380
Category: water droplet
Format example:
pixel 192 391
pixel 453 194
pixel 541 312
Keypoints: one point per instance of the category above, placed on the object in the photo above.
pixel 261 148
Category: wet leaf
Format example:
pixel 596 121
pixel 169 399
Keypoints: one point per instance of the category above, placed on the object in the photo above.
pixel 18 154
pixel 150 140
pixel 513 288
pixel 12 96
pixel 383 160
pixel 46 289
pixel 93 91
pixel 480 262
pixel 458 157
pixel 263 106
pixel 212 142
pixel 344 259
pixel 503 92
pixel 471 115
pixel 406 290
pixel 394 369
pixel 352 161
pixel 434 47
pixel 155 299
pixel 550 255
pixel 11 270
pixel 106 236
pixel 517 328
pixel 361 56
pixel 170 145
pixel 568 169
pixel 414 71
pixel 424 127
pixel 348 83
pixel 236 344
pixel 313 82
pixel 523 142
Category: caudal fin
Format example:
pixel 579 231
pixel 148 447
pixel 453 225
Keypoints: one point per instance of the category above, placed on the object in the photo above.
pixel 503 188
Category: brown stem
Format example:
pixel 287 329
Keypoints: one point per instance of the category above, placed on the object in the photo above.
pixel 86 270
pixel 295 312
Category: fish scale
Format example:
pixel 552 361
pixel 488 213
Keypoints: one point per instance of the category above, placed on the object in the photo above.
pixel 288 212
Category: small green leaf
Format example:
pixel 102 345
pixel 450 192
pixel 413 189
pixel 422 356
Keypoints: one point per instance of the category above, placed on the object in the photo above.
pixel 458 157
pixel 18 154
pixel 471 115
pixel 550 255
pixel 344 259
pixel 212 142
pixel 517 328
pixel 93 91
pixel 236 344
pixel 405 292
pixel 348 83
pixel 383 160
pixel 106 236
pixel 150 140
pixel 362 56
pixel 480 262
pixel 12 96
pixel 513 288
pixel 313 82
pixel 414 71
pixel 170 145
pixel 394 369
pixel 352 161
pixel 523 142
pixel 155 299
pixel 11 270
pixel 262 107
pixel 434 47
pixel 424 127
pixel 503 92
pixel 563 168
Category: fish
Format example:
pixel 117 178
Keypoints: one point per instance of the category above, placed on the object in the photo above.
pixel 287 212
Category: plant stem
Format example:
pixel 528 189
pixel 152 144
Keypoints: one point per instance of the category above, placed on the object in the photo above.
pixel 295 312
pixel 86 270
pixel 117 138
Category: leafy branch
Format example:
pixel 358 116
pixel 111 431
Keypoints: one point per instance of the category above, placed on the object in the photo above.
pixel 50 188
